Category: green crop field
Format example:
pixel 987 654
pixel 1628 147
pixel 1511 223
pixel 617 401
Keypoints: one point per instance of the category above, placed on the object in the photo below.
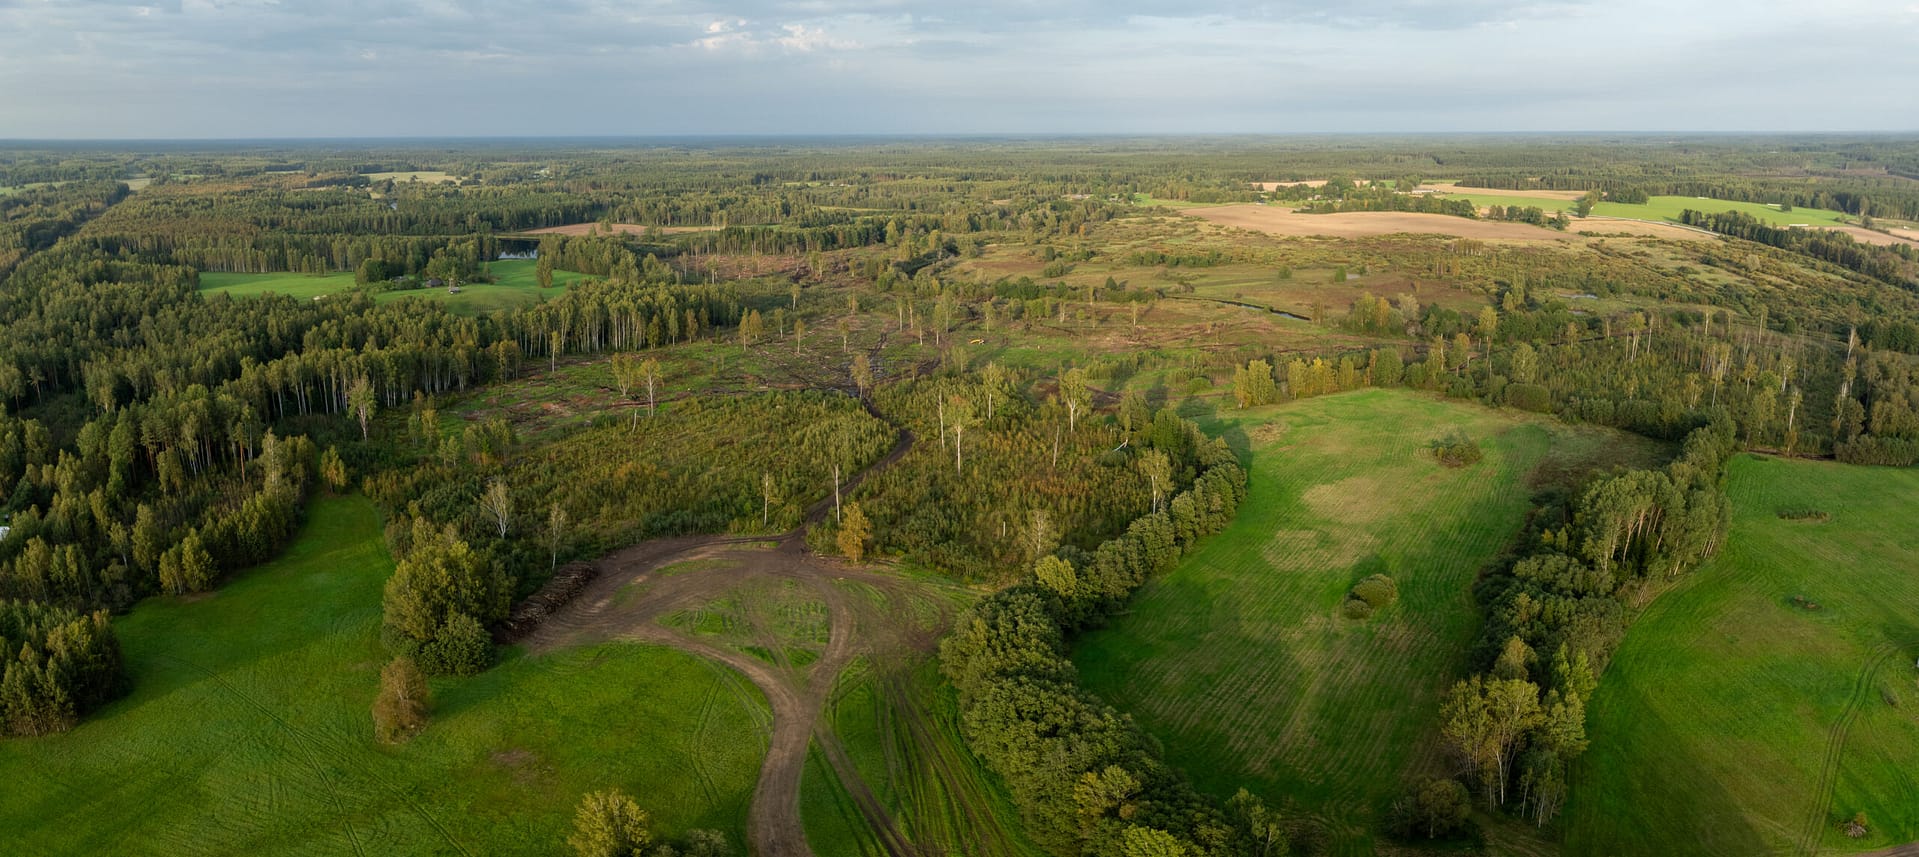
pixel 1737 720
pixel 1240 659
pixel 515 284
pixel 247 731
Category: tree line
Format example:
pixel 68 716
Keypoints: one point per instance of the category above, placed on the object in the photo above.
pixel 1085 778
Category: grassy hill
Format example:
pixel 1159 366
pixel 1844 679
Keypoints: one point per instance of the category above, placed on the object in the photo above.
pixel 247 731
pixel 1737 720
pixel 1240 659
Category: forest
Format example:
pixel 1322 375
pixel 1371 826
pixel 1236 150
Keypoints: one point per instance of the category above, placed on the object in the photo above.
pixel 983 406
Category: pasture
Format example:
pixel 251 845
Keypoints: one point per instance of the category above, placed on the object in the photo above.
pixel 1770 695
pixel 1240 659
pixel 247 731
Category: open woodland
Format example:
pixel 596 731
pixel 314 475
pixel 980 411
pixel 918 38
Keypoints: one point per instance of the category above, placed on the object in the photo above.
pixel 1146 497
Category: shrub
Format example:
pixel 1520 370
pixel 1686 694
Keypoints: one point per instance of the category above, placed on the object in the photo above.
pixel 609 824
pixel 1434 809
pixel 400 711
pixel 1457 450
pixel 1377 591
pixel 460 647
pixel 1356 609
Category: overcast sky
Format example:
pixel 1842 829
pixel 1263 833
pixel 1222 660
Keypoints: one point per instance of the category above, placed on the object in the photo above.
pixel 341 68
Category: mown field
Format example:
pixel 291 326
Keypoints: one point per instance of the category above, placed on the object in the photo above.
pixel 899 726
pixel 1665 208
pixel 516 283
pixel 247 731
pixel 1736 720
pixel 1240 660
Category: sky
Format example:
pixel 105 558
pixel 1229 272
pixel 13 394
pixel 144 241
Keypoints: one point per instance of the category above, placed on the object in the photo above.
pixel 74 69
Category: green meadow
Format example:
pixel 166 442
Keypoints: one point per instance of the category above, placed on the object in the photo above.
pixel 1240 659
pixel 1664 208
pixel 247 731
pixel 516 284
pixel 1771 695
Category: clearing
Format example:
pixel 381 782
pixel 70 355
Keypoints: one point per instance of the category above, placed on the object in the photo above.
pixel 515 284
pixel 1240 659
pixel 247 731
pixel 806 630
pixel 1770 695
pixel 577 229
pixel 1282 220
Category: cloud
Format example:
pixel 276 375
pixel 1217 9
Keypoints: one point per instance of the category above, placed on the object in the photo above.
pixel 211 68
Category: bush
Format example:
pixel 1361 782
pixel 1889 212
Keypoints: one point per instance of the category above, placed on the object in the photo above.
pixel 1377 591
pixel 1356 609
pixel 1434 809
pixel 460 647
pixel 1457 450
pixel 400 711
pixel 609 824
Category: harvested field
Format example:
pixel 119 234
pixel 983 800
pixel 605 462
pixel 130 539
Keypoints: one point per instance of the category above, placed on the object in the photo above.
pixel 1273 186
pixel 576 229
pixel 1278 220
pixel 1647 228
pixel 1878 239
pixel 1449 187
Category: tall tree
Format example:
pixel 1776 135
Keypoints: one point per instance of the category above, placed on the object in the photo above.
pixel 497 503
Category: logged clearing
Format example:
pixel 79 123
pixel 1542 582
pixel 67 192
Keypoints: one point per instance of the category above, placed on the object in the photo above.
pixel 1771 695
pixel 1280 220
pixel 578 229
pixel 1241 661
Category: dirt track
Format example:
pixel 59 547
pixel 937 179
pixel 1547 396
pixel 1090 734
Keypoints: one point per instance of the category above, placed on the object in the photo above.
pixel 635 590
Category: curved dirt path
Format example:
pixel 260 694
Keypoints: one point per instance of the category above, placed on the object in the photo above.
pixel 630 596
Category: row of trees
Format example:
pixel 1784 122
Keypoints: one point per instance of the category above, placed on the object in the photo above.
pixel 1555 615
pixel 1085 779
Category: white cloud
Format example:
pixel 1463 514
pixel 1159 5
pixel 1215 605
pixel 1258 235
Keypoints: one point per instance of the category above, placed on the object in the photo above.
pixel 346 67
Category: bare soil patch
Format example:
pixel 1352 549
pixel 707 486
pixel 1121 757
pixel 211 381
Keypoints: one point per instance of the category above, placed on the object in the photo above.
pixel 1278 220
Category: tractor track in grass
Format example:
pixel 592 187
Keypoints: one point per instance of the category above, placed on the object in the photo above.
pixel 1816 820
pixel 306 742
pixel 628 600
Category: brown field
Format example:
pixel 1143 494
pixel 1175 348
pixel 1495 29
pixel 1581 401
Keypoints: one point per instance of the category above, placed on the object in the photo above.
pixel 1534 194
pixel 1273 186
pixel 577 229
pixel 1881 239
pixel 1649 228
pixel 1278 220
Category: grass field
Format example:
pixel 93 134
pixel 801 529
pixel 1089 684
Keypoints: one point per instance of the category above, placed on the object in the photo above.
pixel 900 729
pixel 247 731
pixel 1734 720
pixel 1240 660
pixel 1666 208
pixel 516 284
